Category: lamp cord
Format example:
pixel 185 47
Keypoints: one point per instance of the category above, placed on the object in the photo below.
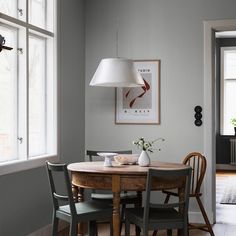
pixel 117 36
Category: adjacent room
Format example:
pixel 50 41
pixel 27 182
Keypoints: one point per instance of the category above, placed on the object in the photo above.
pixel 225 47
pixel 132 101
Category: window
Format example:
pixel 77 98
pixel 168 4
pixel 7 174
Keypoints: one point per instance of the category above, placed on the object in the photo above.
pixel 228 89
pixel 28 107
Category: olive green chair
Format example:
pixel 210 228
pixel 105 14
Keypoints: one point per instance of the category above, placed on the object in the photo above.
pixel 72 212
pixel 154 216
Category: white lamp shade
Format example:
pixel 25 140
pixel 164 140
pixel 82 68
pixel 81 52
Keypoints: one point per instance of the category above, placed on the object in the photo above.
pixel 116 72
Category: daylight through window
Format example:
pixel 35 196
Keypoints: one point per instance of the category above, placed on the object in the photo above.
pixel 228 89
pixel 28 121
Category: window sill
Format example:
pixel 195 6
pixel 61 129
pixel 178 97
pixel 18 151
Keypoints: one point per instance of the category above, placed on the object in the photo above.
pixel 20 165
pixel 226 136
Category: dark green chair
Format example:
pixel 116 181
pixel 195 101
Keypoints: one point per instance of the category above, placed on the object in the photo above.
pixel 107 197
pixel 198 163
pixel 154 216
pixel 74 213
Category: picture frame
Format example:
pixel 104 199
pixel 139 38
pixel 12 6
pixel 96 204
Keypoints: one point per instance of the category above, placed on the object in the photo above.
pixel 140 105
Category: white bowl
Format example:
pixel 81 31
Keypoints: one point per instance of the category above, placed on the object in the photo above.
pixel 126 159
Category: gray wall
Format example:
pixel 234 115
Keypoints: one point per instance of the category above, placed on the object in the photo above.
pixel 25 202
pixel 171 31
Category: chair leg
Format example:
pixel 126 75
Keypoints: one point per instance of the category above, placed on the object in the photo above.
pixel 205 216
pixel 167 198
pixel 54 225
pixel 137 231
pixel 122 218
pixel 145 232
pixel 185 231
pixel 111 228
pixel 186 228
pixel 92 229
pixel 154 233
pixel 127 227
pixel 169 232
pixel 73 228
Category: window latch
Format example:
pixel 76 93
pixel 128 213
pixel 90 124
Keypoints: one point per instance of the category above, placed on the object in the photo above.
pixel 20 50
pixel 20 139
pixel 20 11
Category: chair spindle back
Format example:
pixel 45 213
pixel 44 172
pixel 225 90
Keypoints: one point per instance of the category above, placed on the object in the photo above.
pixel 198 163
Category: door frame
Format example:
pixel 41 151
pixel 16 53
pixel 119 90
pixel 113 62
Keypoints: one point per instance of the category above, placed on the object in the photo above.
pixel 210 27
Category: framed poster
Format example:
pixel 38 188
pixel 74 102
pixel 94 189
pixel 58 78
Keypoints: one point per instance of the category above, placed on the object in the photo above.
pixel 140 105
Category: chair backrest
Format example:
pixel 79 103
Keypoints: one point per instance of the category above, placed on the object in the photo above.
pixel 56 196
pixel 93 155
pixel 198 163
pixel 182 177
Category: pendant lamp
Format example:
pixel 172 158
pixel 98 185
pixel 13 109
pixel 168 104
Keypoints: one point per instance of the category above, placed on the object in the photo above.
pixel 117 72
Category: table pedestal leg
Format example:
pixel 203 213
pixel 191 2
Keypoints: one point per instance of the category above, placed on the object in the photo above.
pixel 116 204
pixel 116 214
pixel 75 191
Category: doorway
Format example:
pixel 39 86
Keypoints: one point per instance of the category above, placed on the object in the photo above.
pixel 225 77
pixel 210 28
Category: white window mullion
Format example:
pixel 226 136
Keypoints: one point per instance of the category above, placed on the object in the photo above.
pixel 27 12
pixel 27 89
pixel 22 94
pixel 46 95
pixel 27 80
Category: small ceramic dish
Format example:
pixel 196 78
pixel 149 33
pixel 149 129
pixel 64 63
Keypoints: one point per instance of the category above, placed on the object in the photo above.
pixel 107 158
pixel 126 159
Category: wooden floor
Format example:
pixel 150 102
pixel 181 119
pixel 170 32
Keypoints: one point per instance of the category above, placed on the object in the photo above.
pixel 219 230
pixel 225 216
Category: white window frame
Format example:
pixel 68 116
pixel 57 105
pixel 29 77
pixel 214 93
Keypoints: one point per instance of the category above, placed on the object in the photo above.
pixel 21 163
pixel 222 86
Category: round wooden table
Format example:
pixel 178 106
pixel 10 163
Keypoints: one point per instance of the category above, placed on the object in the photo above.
pixel 118 178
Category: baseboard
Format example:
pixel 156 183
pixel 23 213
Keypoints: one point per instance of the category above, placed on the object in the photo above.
pixel 196 217
pixel 47 230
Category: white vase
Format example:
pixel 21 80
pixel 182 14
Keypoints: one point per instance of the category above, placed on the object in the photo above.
pixel 144 159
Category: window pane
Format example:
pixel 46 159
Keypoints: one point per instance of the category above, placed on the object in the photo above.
pixel 37 13
pixel 8 97
pixel 230 64
pixel 229 106
pixel 37 94
pixel 9 7
pixel 14 8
